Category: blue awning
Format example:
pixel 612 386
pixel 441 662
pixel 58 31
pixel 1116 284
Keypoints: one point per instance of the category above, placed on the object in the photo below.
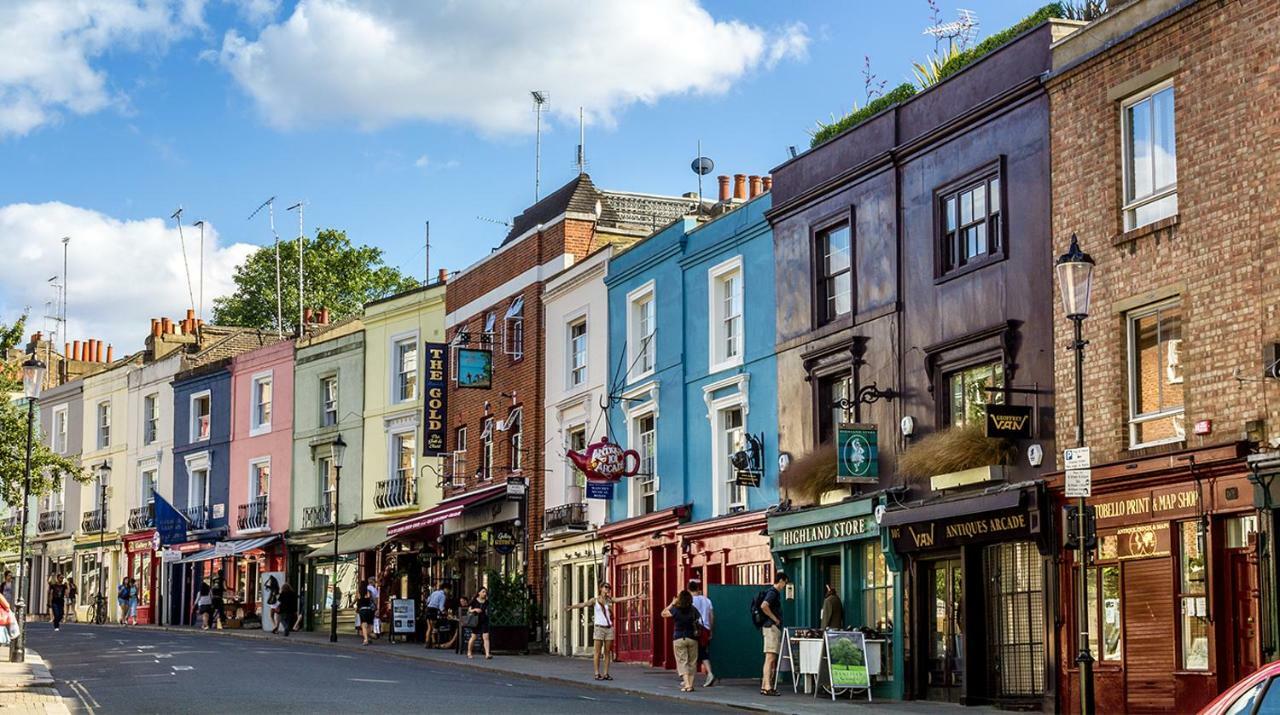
pixel 229 548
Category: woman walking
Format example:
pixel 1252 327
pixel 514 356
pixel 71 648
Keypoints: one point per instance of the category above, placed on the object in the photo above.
pixel 480 608
pixel 133 601
pixel 364 614
pixel 273 602
pixel 684 637
pixel 602 632
pixel 204 604
pixel 287 608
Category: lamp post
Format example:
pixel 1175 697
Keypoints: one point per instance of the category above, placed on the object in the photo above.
pixel 100 603
pixel 339 448
pixel 32 383
pixel 1075 275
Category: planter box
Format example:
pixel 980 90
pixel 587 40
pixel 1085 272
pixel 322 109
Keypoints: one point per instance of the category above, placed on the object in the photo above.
pixel 977 475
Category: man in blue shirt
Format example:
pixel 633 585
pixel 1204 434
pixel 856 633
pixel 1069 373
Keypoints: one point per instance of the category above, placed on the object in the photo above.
pixel 771 607
pixel 435 606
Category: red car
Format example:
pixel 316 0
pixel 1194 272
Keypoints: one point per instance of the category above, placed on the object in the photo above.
pixel 1257 694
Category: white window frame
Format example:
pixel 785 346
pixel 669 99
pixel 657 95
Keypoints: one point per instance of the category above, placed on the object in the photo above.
pixel 721 469
pixel 322 474
pixel 515 440
pixel 142 484
pixel 636 496
pixel 194 418
pixel 1129 207
pixel 514 315
pixel 1130 320
pixel 150 415
pixel 325 381
pixel 103 431
pixel 198 463
pixel 574 479
pixel 572 380
pixel 60 429
pixel 393 457
pixel 486 449
pixel 635 341
pixel 255 391
pixel 394 381
pixel 460 455
pixel 252 491
pixel 717 333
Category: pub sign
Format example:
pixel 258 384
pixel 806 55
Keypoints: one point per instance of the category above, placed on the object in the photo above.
pixel 475 368
pixel 857 454
pixel 436 406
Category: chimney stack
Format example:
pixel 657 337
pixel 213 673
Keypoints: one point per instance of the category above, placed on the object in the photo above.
pixel 755 186
pixel 110 354
pixel 768 182
pixel 740 186
pixel 75 350
pixel 98 354
pixel 307 315
pixel 724 187
pixel 444 275
pixel 164 326
pixel 66 351
pixel 324 316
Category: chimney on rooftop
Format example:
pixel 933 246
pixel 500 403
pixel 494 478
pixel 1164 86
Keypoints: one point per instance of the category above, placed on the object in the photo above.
pixel 75 350
pixel 740 186
pixel 308 315
pixel 444 275
pixel 724 187
pixel 324 316
pixel 110 354
pixel 768 182
pixel 755 186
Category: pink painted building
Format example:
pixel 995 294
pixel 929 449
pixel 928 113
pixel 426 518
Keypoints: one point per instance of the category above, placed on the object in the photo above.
pixel 261 464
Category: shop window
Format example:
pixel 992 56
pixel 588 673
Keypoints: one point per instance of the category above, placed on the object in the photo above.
pixel 877 591
pixel 1239 529
pixel 1016 604
pixel 834 267
pixel 1156 412
pixel 632 617
pixel 89 578
pixel 1106 631
pixel 1150 157
pixel 969 392
pixel 831 390
pixel 1192 598
pixel 754 574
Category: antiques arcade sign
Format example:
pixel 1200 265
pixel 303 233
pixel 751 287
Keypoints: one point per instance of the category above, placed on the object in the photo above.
pixel 435 408
pixel 819 533
pixel 965 530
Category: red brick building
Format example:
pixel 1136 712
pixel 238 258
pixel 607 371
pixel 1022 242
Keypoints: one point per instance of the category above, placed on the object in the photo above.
pixel 497 433
pixel 1164 138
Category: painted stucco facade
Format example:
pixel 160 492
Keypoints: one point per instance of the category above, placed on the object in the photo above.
pixel 261 437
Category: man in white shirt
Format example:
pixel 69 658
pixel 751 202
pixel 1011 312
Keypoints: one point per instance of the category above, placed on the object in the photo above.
pixel 435 607
pixel 707 616
pixel 374 593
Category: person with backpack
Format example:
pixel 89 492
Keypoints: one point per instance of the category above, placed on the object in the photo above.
pixel 766 613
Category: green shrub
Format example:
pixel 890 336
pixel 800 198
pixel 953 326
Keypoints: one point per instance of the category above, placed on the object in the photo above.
pixel 897 95
pixel 989 45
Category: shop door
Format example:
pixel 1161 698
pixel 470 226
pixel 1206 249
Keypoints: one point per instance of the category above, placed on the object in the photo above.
pixel 735 641
pixel 943 629
pixel 633 621
pixel 828 572
pixel 1149 643
pixel 583 585
pixel 1242 568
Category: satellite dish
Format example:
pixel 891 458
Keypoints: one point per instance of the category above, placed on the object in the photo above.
pixel 702 166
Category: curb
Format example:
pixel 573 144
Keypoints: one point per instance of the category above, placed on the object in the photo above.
pixel 244 635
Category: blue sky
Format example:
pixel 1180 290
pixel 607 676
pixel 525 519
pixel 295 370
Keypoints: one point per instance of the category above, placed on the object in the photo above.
pixel 185 113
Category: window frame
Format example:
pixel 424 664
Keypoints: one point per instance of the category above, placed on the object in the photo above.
pixel 645 485
pixel 486 449
pixel 102 414
pixel 726 491
pixel 254 465
pixel 198 463
pixel 395 395
pixel 1129 207
pixel 981 175
pixel 154 471
pixel 1133 421
pixel 150 418
pixel 820 381
pixel 952 371
pixel 515 439
pixel 325 411
pixel 1185 594
pixel 875 592
pixel 640 345
pixel 718 318
pixel 819 277
pixel 60 429
pixel 459 456
pixel 513 329
pixel 572 380
pixel 573 477
pixel 257 425
pixel 193 417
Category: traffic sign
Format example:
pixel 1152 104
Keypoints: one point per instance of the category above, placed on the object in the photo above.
pixel 1079 483
pixel 1077 458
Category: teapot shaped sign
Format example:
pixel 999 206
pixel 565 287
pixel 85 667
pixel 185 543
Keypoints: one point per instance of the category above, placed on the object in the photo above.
pixel 605 461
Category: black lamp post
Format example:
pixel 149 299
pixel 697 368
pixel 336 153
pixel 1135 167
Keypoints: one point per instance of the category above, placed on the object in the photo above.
pixel 32 383
pixel 339 448
pixel 100 603
pixel 1075 275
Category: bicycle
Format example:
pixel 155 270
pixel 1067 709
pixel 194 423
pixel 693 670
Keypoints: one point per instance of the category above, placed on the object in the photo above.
pixel 99 615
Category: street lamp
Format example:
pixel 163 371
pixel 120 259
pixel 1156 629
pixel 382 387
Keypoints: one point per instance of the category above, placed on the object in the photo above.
pixel 339 448
pixel 100 603
pixel 32 383
pixel 1075 277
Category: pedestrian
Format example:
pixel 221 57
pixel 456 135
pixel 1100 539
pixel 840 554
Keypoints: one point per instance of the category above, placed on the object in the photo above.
pixel 8 623
pixel 57 600
pixel 770 623
pixel 375 593
pixel 272 587
pixel 217 592
pixel 707 621
pixel 462 633
pixel 287 610
pixel 480 625
pixel 435 608
pixel 69 603
pixel 6 587
pixel 832 610
pixel 133 601
pixel 364 613
pixel 684 637
pixel 204 604
pixel 122 600
pixel 602 632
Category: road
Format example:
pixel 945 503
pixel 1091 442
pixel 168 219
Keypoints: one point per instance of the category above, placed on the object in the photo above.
pixel 119 670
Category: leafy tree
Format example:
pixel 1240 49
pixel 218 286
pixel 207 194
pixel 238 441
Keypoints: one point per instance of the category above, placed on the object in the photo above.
pixel 339 276
pixel 47 468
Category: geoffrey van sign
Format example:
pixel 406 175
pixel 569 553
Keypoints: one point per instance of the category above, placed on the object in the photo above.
pixel 987 527
pixel 818 533
pixel 435 408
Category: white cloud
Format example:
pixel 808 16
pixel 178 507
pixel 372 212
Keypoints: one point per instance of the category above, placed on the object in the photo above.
pixel 46 66
pixel 422 162
pixel 257 11
pixel 121 273
pixel 475 62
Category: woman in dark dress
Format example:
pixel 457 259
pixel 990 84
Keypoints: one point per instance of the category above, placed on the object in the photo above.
pixel 480 607
pixel 364 613
pixel 287 603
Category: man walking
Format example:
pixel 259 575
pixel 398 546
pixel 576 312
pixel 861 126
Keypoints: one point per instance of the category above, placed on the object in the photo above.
pixel 216 595
pixel 57 596
pixel 435 608
pixel 771 630
pixel 707 618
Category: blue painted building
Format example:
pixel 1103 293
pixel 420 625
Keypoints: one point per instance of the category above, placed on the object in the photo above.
pixel 691 347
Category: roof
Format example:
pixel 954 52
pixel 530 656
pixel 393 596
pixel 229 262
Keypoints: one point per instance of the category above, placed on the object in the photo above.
pixel 617 208
pixel 232 343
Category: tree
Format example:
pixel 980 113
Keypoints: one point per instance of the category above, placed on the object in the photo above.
pixel 47 468
pixel 339 276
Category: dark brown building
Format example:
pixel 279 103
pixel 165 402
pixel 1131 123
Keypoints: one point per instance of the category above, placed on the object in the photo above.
pixel 914 286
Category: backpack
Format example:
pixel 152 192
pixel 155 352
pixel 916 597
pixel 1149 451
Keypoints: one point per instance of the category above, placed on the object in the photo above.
pixel 758 618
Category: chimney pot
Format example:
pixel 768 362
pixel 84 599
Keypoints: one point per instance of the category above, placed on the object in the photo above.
pixel 110 354
pixel 768 182
pixel 98 353
pixel 155 327
pixel 88 351
pixel 307 315
pixel 75 350
pixel 740 186
pixel 724 187
pixel 191 314
pixel 324 316
pixel 755 185
pixel 164 326
pixel 444 274
pixel 66 351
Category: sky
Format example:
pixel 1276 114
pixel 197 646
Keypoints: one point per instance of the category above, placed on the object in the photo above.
pixel 381 115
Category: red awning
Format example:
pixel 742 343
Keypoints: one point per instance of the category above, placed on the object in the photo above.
pixel 446 509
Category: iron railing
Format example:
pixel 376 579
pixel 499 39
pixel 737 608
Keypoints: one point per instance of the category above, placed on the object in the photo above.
pixel 142 517
pixel 395 493
pixel 50 521
pixel 314 517
pixel 94 521
pixel 252 516
pixel 198 516
pixel 566 517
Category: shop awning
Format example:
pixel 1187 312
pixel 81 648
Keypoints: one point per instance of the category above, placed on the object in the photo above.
pixel 229 548
pixel 1007 499
pixel 360 537
pixel 446 509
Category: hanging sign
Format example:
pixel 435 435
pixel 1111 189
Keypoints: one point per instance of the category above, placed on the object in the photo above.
pixel 475 368
pixel 435 406
pixel 170 555
pixel 847 659
pixel 504 541
pixel 599 490
pixel 402 616
pixel 516 487
pixel 224 548
pixel 1009 421
pixel 605 461
pixel 857 454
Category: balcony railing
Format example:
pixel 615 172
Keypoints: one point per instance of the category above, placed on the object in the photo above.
pixel 12 521
pixel 142 517
pixel 314 517
pixel 566 517
pixel 50 521
pixel 94 521
pixel 253 516
pixel 395 493
pixel 198 516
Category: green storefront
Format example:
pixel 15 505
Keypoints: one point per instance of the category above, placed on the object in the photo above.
pixel 841 544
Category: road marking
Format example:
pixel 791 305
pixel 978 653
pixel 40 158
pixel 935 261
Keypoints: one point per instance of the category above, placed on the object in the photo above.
pixel 184 667
pixel 83 695
pixel 145 647
pixel 373 680
pixel 584 697
pixel 155 675
pixel 163 655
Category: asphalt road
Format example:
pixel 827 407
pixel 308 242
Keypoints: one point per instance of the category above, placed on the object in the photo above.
pixel 119 670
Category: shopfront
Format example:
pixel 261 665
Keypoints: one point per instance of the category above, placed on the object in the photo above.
pixel 97 569
pixel 143 565
pixel 841 545
pixel 1173 585
pixel 241 564
pixel 975 570
pixel 575 567
pixel 642 562
pixel 358 558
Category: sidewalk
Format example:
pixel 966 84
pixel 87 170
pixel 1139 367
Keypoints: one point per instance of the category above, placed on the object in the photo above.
pixel 29 687
pixel 628 677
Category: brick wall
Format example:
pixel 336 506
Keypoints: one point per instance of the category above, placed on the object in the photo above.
pixel 1218 258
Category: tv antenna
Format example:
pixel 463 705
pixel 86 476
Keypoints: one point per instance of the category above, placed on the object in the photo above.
pixel 271 216
pixel 701 166
pixel 200 309
pixel 177 216
pixel 581 159
pixel 498 221
pixel 540 100
pixel 302 240
pixel 960 32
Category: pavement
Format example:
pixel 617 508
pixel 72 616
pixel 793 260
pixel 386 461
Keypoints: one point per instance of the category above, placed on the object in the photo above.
pixel 559 676
pixel 29 687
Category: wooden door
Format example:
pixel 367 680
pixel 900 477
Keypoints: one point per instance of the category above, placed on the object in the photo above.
pixel 1242 570
pixel 943 612
pixel 1149 637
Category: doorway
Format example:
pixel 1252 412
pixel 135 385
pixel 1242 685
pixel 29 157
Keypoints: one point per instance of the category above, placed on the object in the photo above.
pixel 828 572
pixel 943 608
pixel 1244 655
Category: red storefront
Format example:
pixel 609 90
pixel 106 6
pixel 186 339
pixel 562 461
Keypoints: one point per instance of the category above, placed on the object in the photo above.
pixel 728 550
pixel 144 567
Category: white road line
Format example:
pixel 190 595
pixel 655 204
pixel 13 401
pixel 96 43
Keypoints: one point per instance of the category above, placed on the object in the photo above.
pixel 373 680
pixel 184 667
pixel 83 695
